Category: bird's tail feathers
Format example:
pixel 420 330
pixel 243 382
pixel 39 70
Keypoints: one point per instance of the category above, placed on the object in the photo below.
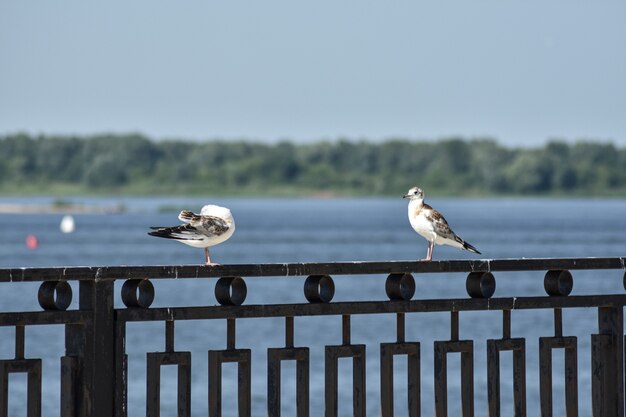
pixel 470 248
pixel 187 216
pixel 463 244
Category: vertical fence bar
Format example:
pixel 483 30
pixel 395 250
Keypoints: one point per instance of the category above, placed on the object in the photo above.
pixel 74 347
pixel 302 385
pixel 4 393
pixel 386 382
pixel 558 322
pixel 231 333
pixel 467 382
pixel 571 382
pixel 20 336
pixel 34 392
pixel 400 328
pixel 454 325
pixel 68 386
pixel 506 324
pixel 94 344
pixel 345 329
pixel 607 361
pixel 273 383
pixel 169 335
pixel 153 389
pixel 121 370
pixel 545 379
pixel 519 380
pixel 493 378
pixel 289 332
pixel 441 380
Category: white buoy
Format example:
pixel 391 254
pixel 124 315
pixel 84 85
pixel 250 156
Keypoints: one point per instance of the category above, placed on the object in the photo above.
pixel 67 224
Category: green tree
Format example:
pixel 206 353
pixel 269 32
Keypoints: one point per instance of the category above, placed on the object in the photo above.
pixel 133 162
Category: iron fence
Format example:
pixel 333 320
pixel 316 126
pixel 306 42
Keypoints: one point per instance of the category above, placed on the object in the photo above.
pixel 94 368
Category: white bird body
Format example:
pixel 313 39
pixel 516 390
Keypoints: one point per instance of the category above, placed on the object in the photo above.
pixel 426 228
pixel 207 237
pixel 431 225
pixel 214 225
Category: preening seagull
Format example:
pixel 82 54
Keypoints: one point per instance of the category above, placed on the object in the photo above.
pixel 431 225
pixel 212 226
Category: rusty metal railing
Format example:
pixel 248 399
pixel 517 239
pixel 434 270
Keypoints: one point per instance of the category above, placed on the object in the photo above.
pixel 94 369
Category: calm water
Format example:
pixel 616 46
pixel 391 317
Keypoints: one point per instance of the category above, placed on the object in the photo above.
pixel 295 230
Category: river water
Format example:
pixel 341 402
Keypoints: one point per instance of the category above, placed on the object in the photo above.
pixel 320 230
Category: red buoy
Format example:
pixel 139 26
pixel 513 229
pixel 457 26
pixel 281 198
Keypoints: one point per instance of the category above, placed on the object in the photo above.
pixel 31 242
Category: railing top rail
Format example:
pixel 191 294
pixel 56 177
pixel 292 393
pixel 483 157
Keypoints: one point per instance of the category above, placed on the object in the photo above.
pixel 368 307
pixel 87 273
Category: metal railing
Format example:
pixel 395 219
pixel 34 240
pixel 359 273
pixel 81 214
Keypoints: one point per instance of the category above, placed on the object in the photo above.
pixel 94 369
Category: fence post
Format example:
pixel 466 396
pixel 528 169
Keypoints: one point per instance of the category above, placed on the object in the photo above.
pixel 93 344
pixel 607 363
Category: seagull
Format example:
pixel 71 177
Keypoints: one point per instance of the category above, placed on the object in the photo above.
pixel 431 225
pixel 213 225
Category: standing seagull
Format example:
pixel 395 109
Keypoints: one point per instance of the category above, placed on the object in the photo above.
pixel 433 227
pixel 213 225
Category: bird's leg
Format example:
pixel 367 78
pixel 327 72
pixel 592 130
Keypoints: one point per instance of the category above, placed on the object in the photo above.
pixel 208 258
pixel 431 249
pixel 429 253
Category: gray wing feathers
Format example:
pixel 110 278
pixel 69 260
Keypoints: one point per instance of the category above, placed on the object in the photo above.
pixel 210 225
pixel 188 216
pixel 197 228
pixel 439 223
pixel 183 232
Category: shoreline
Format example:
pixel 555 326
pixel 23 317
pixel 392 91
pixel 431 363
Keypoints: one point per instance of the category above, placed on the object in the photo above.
pixel 20 208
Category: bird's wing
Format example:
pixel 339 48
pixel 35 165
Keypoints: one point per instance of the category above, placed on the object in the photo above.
pixel 182 232
pixel 440 225
pixel 210 225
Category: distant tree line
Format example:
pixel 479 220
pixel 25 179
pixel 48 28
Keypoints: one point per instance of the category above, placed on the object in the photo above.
pixel 135 164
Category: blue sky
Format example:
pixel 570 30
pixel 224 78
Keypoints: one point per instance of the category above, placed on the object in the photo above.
pixel 519 71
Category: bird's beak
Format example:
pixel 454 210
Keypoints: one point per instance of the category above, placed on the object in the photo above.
pixel 405 196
